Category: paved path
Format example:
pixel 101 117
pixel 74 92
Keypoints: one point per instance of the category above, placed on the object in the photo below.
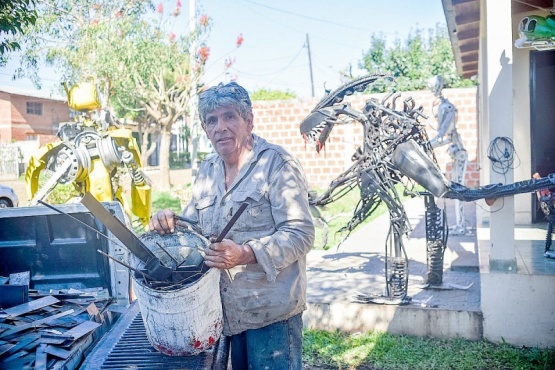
pixel 358 264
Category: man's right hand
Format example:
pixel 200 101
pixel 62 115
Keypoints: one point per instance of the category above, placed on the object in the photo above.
pixel 162 222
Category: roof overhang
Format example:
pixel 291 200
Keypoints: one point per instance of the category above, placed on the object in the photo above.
pixel 463 24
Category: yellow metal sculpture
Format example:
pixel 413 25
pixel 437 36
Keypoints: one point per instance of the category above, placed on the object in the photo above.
pixel 88 155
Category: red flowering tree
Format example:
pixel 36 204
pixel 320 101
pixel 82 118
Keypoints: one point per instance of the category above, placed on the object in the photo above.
pixel 143 69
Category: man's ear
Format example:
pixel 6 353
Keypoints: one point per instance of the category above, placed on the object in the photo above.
pixel 250 124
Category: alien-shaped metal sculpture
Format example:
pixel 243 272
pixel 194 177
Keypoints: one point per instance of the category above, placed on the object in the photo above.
pixel 395 149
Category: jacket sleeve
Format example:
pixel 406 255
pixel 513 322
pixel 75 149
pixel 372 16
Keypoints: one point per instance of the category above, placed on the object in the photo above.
pixel 294 235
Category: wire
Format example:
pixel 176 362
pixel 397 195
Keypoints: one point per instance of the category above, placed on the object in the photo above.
pixel 502 154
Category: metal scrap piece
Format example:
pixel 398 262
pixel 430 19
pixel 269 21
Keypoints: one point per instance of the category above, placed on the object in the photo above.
pixel 28 307
pixel 34 324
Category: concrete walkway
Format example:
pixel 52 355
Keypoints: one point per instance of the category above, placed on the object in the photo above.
pixel 452 310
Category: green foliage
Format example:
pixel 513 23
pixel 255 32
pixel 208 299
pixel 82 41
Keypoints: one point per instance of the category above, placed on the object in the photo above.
pixel 165 200
pixel 376 350
pixel 15 17
pixel 268 94
pixel 413 61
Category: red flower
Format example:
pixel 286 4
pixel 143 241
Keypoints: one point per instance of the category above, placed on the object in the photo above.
pixel 172 36
pixel 178 4
pixel 94 22
pixel 229 62
pixel 119 14
pixel 204 20
pixel 203 53
pixel 160 8
pixel 240 39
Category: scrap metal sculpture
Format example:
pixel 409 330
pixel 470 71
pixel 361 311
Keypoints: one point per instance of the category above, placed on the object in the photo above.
pixel 395 149
pixel 87 156
pixel 446 114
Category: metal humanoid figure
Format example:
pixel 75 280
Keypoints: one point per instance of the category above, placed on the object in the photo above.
pixel 446 115
pixel 394 149
pixel 88 155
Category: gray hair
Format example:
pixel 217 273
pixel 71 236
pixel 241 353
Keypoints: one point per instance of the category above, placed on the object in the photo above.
pixel 230 94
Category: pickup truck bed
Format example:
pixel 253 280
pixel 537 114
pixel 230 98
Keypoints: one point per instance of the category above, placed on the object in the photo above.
pixel 60 256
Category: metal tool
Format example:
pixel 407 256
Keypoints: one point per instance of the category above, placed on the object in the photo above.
pixel 231 222
pixel 154 267
pixel 193 258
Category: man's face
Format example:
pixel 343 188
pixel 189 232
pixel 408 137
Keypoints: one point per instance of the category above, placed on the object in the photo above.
pixel 228 131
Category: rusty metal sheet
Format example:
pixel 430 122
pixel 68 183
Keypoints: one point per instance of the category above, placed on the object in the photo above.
pixel 30 306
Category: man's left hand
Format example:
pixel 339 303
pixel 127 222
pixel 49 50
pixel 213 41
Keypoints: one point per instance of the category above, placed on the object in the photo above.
pixel 227 254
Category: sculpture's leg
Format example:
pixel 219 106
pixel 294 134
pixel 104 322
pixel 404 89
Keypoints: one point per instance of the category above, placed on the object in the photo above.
pixel 435 240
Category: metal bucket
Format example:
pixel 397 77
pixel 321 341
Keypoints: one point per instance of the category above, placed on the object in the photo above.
pixel 187 320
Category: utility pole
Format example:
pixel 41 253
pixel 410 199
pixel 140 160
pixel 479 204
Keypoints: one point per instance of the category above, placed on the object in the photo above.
pixel 193 116
pixel 310 64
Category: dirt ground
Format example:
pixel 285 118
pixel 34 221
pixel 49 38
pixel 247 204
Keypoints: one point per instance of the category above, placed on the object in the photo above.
pixel 177 177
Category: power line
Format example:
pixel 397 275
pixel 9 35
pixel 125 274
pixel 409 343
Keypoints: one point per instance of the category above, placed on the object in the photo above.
pixel 308 17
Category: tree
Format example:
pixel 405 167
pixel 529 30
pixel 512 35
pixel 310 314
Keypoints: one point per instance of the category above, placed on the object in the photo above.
pixel 413 62
pixel 269 94
pixel 144 71
pixel 15 16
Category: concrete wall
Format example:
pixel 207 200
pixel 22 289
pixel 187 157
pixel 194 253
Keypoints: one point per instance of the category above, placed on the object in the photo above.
pixel 519 309
pixel 279 122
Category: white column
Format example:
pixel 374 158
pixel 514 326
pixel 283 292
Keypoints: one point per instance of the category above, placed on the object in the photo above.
pixel 499 100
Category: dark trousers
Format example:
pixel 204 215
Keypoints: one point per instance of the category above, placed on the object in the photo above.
pixel 275 347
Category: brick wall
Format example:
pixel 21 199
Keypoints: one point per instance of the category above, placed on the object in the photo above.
pixel 279 121
pixel 23 125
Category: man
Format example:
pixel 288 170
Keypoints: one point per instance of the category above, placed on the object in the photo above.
pixel 264 254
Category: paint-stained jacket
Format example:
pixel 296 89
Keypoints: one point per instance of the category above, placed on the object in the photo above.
pixel 277 225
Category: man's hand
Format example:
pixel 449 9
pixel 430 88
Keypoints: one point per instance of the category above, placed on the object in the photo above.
pixel 227 254
pixel 162 222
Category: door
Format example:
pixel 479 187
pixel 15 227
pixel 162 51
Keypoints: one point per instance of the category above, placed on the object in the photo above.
pixel 542 118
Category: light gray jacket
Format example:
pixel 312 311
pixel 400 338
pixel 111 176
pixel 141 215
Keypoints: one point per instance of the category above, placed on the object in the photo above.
pixel 277 225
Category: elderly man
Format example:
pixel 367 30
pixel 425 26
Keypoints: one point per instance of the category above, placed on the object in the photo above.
pixel 263 288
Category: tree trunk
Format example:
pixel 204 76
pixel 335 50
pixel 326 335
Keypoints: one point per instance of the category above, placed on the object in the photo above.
pixel 165 184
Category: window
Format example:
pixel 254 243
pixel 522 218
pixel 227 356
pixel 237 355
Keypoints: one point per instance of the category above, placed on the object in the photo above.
pixel 34 108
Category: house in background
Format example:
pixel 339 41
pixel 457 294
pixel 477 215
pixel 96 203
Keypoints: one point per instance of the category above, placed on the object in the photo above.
pixel 515 104
pixel 28 120
pixel 29 115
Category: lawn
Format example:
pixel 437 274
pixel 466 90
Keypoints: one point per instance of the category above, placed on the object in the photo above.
pixel 377 350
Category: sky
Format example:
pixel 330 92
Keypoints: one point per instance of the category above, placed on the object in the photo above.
pixel 274 53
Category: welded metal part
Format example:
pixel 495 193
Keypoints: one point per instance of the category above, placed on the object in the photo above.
pixel 152 264
pixel 395 149
pixel 387 124
pixel 436 243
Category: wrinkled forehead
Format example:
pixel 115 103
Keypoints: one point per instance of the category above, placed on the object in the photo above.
pixel 223 110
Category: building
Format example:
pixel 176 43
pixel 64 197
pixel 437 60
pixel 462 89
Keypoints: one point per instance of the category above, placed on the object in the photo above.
pixel 515 102
pixel 30 115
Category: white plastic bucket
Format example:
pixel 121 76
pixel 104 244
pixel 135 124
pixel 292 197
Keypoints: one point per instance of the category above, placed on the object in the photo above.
pixel 185 321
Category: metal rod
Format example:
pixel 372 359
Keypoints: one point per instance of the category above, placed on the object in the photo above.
pixel 126 265
pixel 168 253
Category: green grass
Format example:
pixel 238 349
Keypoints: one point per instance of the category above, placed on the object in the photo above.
pixel 162 200
pixel 339 213
pixel 374 350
